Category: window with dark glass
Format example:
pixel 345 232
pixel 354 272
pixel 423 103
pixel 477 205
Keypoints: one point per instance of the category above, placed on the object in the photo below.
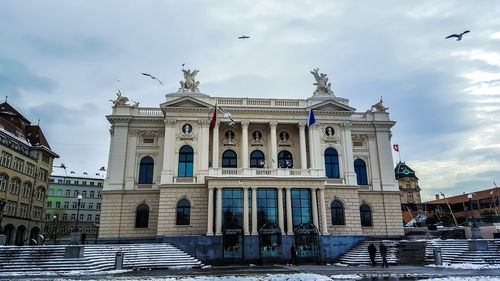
pixel 229 159
pixel 185 161
pixel 257 159
pixel 146 170
pixel 232 206
pixel 183 212
pixel 360 169
pixel 301 206
pixel 267 206
pixel 142 216
pixel 366 215
pixel 337 213
pixel 331 163
pixel 285 159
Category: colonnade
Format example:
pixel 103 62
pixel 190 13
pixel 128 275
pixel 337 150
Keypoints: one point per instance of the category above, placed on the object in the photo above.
pixel 288 208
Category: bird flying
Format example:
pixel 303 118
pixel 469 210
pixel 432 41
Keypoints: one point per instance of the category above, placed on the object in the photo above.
pixel 458 36
pixel 244 37
pixel 227 115
pixel 152 77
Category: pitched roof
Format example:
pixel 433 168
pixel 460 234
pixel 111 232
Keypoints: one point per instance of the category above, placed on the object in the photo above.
pixel 402 171
pixel 477 195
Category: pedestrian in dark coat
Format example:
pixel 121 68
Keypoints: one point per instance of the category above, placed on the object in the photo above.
pixel 372 251
pixel 383 253
pixel 293 255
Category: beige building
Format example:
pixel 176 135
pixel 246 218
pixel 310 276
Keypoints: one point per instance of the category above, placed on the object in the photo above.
pixel 243 186
pixel 408 184
pixel 25 165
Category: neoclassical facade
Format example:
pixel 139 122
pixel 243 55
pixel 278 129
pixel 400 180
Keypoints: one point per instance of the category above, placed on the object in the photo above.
pixel 243 186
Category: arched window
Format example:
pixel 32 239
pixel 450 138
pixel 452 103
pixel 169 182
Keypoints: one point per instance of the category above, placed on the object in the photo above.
pixel 142 216
pixel 186 161
pixel 146 170
pixel 285 159
pixel 257 159
pixel 229 159
pixel 366 215
pixel 183 212
pixel 360 169
pixel 4 179
pixel 337 213
pixel 332 163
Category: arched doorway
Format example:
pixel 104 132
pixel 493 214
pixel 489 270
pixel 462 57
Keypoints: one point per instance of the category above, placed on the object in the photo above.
pixel 9 233
pixel 270 243
pixel 232 243
pixel 306 242
pixel 35 231
pixel 21 230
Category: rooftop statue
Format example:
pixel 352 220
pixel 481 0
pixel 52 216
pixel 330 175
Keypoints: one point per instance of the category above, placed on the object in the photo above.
pixel 379 107
pixel 190 83
pixel 323 87
pixel 119 101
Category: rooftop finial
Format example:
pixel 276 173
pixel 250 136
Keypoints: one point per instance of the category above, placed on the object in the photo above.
pixel 6 97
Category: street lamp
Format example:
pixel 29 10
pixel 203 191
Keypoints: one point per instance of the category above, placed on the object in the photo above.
pixel 80 197
pixel 446 200
pixel 472 213
pixel 96 225
pixel 55 230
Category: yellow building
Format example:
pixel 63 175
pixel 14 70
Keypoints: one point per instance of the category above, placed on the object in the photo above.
pixel 25 165
pixel 408 184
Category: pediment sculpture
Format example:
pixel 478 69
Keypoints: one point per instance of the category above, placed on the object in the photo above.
pixel 323 87
pixel 379 107
pixel 189 84
pixel 120 100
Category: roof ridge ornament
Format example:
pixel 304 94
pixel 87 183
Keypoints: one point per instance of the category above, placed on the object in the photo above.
pixel 323 87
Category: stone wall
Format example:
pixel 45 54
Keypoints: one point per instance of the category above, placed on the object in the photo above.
pixel 388 223
pixel 119 209
pixel 350 200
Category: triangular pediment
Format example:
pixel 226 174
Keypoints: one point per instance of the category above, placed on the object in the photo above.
pixel 187 102
pixel 331 105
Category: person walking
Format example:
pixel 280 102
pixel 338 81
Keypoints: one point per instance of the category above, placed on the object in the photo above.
pixel 372 251
pixel 383 253
pixel 293 255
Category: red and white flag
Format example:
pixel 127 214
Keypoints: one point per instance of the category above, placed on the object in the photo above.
pixel 396 147
pixel 214 117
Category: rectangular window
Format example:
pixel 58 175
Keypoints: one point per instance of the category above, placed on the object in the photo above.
pixel 92 194
pixel 59 181
pixel 98 194
pixel 73 217
pixel 84 194
pixel 45 159
pixel 63 229
pixel 91 183
pixel 84 183
pixel 301 206
pixel 87 229
pixel 67 181
pixel 58 205
pixel 75 182
pixel 82 205
pixel 81 217
pixel 47 217
pixel 89 217
pixel 91 205
pixel 99 184
pixel 66 205
pixel 74 205
pixel 68 193
pixel 75 193
pixel 232 206
pixel 49 204
pixel 65 217
pixel 98 206
pixel 97 217
pixel 267 206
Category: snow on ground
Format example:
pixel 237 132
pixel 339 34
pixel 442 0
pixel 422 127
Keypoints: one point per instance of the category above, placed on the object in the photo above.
pixel 346 277
pixel 467 266
pixel 472 278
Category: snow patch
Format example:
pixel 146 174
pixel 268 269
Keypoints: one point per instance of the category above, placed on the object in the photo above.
pixel 466 266
pixel 346 277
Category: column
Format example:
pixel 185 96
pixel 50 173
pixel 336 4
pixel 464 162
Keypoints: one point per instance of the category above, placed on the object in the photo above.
pixel 130 170
pixel 254 211
pixel 215 145
pixel 314 207
pixel 289 220
pixel 244 143
pixel 374 165
pixel 302 138
pixel 116 171
pixel 281 220
pixel 245 211
pixel 168 168
pixel 349 174
pixel 312 153
pixel 274 145
pixel 322 208
pixel 218 227
pixel 210 221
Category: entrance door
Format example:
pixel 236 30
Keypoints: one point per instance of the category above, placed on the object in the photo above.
pixel 20 235
pixel 306 241
pixel 232 243
pixel 270 243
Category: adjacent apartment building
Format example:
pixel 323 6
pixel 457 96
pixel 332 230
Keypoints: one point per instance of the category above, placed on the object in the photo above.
pixel 64 212
pixel 25 165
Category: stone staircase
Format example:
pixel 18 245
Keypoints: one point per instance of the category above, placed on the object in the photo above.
pixel 33 259
pixel 452 251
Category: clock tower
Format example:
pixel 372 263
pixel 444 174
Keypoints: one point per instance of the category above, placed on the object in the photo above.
pixel 408 184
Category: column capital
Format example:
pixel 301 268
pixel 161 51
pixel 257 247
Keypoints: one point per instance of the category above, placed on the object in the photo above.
pixel 273 124
pixel 211 188
pixel 244 124
pixel 169 122
pixel 218 187
pixel 203 123
pixel 346 125
pixel 246 187
pixel 301 125
pixel 280 187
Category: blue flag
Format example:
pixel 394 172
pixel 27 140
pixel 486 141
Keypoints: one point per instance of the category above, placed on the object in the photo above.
pixel 311 120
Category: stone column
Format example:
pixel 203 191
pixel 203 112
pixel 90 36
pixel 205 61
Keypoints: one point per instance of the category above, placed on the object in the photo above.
pixel 349 173
pixel 302 138
pixel 322 208
pixel 215 145
pixel 281 219
pixel 274 145
pixel 254 211
pixel 289 220
pixel 312 153
pixel 244 143
pixel 130 170
pixel 314 207
pixel 218 227
pixel 245 211
pixel 117 159
pixel 210 221
pixel 167 172
pixel 374 164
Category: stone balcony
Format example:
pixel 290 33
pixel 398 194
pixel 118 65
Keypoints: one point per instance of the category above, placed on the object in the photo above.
pixel 253 172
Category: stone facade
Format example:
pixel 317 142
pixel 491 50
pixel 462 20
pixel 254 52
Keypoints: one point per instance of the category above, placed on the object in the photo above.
pixel 177 155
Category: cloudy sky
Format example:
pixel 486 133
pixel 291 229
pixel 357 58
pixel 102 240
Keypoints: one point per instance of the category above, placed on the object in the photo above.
pixel 59 61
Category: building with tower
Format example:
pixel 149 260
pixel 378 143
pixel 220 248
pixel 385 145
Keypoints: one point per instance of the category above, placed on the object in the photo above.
pixel 238 180
pixel 408 184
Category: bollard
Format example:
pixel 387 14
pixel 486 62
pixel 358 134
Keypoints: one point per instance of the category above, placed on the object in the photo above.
pixel 119 260
pixel 437 257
